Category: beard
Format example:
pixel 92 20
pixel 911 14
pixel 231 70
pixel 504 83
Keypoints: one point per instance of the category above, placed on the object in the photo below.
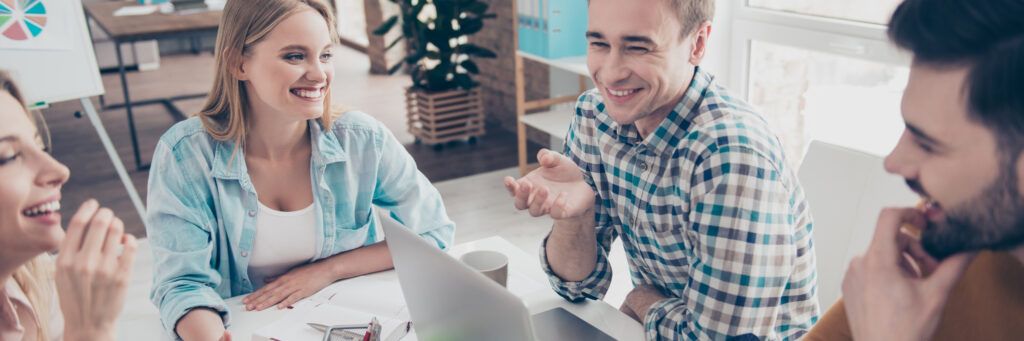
pixel 992 221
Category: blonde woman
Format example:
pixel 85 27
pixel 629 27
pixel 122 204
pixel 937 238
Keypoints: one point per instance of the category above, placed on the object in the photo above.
pixel 91 270
pixel 268 191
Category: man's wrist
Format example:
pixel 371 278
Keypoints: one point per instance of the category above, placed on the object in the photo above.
pixel 585 220
pixel 642 298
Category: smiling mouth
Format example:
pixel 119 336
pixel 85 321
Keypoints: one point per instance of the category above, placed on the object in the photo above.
pixel 311 94
pixel 42 209
pixel 622 93
pixel 931 209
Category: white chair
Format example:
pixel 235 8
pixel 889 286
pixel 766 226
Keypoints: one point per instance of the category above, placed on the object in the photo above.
pixel 846 190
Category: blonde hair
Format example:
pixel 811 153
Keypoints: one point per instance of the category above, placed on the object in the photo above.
pixel 245 23
pixel 34 278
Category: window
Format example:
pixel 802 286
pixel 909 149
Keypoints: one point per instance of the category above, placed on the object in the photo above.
pixel 869 11
pixel 821 69
pixel 841 100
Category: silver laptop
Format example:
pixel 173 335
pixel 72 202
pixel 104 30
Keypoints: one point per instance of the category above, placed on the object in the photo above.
pixel 449 301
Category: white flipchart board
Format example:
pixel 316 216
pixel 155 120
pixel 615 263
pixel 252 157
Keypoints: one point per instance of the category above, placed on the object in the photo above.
pixel 46 46
pixel 59 63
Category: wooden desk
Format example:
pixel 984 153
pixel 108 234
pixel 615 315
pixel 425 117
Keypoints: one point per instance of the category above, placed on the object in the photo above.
pixel 128 29
pixel 152 26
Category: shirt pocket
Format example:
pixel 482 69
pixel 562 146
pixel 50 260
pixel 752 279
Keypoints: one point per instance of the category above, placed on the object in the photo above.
pixel 355 220
pixel 670 233
pixel 353 231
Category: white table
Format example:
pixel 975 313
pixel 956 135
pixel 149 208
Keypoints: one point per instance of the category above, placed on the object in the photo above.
pixel 141 321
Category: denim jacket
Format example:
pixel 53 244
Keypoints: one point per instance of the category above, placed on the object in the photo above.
pixel 203 207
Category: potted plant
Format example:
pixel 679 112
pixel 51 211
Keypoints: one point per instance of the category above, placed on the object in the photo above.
pixel 443 103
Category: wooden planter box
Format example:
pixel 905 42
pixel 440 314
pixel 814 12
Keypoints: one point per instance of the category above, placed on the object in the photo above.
pixel 436 118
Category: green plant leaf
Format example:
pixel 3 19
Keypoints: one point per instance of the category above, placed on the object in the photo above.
pixel 468 16
pixel 464 81
pixel 414 58
pixel 475 51
pixel 393 43
pixel 386 26
pixel 470 66
pixel 478 8
pixel 470 26
pixel 436 79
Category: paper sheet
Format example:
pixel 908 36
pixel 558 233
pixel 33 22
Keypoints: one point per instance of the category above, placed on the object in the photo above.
pixel 375 294
pixel 136 10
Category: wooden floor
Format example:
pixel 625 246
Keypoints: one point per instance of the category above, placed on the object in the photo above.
pixel 77 145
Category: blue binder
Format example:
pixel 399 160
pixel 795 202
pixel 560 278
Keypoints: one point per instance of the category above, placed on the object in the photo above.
pixel 553 28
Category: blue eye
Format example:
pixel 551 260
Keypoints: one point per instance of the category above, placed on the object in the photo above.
pixel 292 57
pixel 326 57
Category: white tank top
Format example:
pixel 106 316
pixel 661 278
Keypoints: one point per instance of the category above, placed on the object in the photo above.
pixel 284 240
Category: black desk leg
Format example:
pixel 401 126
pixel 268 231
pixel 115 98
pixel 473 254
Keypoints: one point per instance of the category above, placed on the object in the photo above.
pixel 128 108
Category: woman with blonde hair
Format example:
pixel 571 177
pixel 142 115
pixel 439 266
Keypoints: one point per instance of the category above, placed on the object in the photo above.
pixel 95 256
pixel 268 191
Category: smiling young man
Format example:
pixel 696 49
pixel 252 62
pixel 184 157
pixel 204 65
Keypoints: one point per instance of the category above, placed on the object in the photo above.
pixel 714 223
pixel 961 151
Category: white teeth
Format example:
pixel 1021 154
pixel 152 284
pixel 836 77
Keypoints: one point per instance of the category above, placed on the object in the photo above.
pixel 49 207
pixel 308 94
pixel 622 93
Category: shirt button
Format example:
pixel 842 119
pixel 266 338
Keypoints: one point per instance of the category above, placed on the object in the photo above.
pixel 252 213
pixel 643 166
pixel 245 253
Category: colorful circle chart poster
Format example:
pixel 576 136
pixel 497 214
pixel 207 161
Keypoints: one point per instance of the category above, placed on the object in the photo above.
pixel 35 24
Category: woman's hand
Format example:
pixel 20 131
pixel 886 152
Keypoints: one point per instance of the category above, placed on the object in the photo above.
pixel 93 269
pixel 296 284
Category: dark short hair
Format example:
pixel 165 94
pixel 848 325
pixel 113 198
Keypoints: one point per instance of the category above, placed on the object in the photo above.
pixel 987 36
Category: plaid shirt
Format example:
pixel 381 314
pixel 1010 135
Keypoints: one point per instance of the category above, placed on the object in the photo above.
pixel 708 213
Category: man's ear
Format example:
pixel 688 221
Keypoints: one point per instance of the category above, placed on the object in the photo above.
pixel 699 45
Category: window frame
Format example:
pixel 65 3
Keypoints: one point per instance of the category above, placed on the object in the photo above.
pixel 865 41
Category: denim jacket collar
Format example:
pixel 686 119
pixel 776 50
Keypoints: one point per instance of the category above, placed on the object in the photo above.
pixel 229 163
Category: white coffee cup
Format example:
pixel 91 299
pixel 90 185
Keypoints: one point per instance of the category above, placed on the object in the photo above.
pixel 492 264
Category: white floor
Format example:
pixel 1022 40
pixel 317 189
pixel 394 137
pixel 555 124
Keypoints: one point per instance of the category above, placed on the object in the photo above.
pixel 480 207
